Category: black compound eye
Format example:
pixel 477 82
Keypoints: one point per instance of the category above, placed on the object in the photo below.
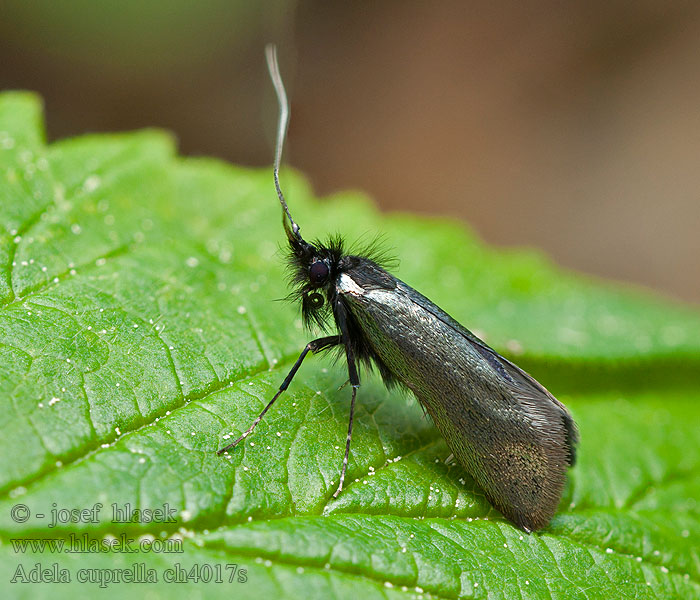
pixel 315 300
pixel 318 272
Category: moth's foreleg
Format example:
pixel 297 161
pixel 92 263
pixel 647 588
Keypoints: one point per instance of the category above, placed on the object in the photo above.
pixel 312 346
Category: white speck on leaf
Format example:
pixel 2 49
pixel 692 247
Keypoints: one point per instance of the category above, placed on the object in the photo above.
pixel 91 183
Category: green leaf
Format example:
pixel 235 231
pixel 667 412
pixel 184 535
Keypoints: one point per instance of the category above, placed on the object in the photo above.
pixel 139 331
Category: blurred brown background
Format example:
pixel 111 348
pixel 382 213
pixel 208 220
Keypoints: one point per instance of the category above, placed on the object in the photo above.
pixel 569 126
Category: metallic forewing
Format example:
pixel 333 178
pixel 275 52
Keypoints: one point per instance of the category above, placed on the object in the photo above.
pixel 507 430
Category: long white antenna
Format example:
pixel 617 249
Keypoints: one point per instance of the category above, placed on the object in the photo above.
pixel 273 67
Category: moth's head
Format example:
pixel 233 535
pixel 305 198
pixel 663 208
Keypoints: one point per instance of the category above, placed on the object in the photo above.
pixel 314 267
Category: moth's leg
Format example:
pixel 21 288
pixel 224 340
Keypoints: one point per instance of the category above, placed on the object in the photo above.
pixel 354 381
pixel 347 443
pixel 312 346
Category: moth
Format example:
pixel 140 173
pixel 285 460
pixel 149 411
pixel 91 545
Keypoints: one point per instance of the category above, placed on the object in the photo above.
pixel 503 427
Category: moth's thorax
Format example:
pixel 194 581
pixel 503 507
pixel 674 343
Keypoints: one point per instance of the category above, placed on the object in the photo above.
pixel 345 284
pixel 359 277
pixel 365 293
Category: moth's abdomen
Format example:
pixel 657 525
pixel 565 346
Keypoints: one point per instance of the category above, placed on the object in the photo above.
pixel 506 430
